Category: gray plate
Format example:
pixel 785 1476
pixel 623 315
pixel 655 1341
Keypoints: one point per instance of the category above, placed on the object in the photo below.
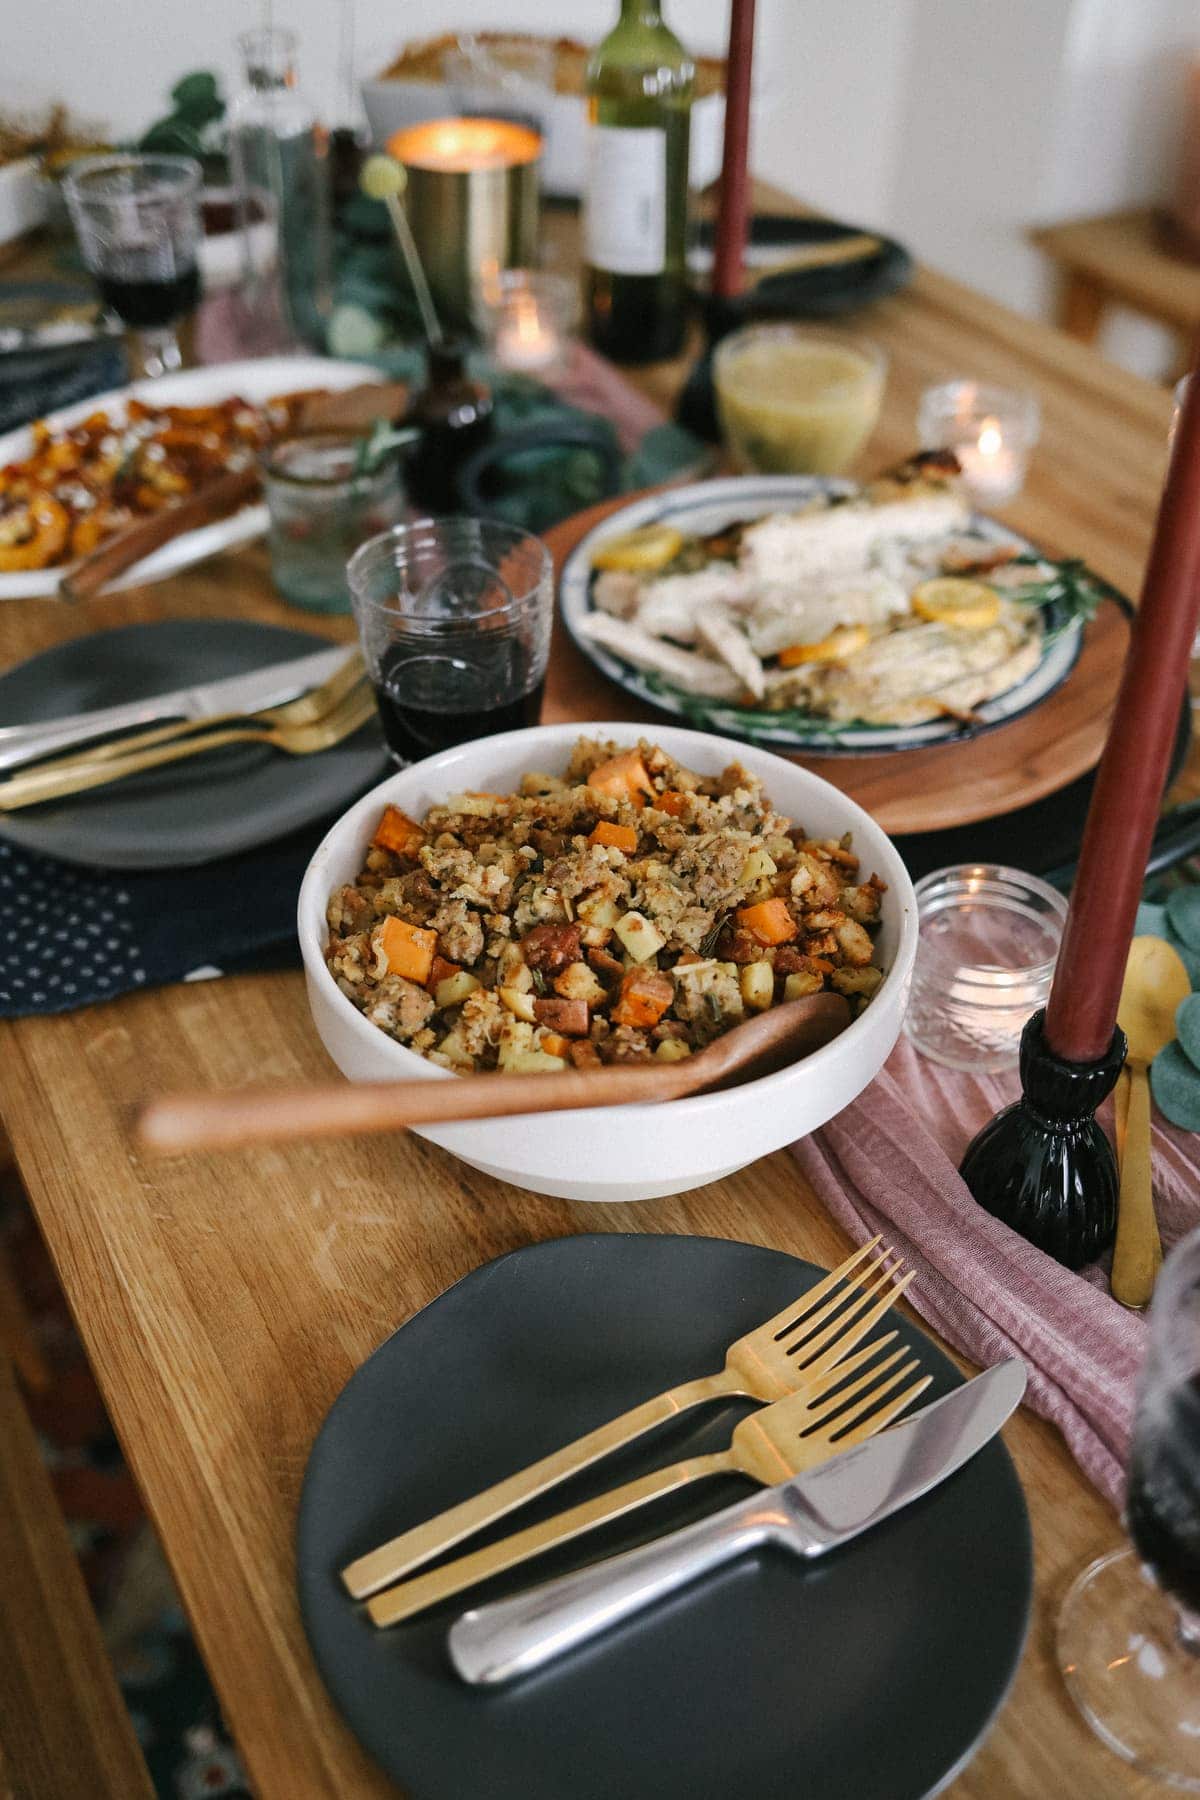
pixel 193 812
pixel 871 1676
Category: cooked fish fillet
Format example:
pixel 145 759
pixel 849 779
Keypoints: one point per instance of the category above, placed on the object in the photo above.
pixel 815 547
pixel 695 674
pixel 918 671
pixel 617 591
pixel 721 633
pixel 668 605
pixel 795 615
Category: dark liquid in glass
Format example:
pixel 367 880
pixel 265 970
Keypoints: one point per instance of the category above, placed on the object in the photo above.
pixel 147 304
pixel 1163 1504
pixel 423 710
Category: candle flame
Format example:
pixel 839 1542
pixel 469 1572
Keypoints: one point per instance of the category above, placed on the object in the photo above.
pixel 991 439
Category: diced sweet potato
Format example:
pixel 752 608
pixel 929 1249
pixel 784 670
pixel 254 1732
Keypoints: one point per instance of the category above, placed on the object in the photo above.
pixel 623 776
pixel 399 833
pixel 645 997
pixel 554 1044
pixel 770 922
pixel 407 949
pixel 568 1016
pixel 619 837
pixel 671 801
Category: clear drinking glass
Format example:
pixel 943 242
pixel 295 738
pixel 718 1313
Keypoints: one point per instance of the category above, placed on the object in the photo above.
pixel 137 219
pixel 987 945
pixel 796 402
pixel 501 78
pixel 1129 1630
pixel 323 504
pixel 454 616
pixel 277 149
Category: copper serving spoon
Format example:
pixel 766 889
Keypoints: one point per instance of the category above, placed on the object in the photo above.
pixel 770 1040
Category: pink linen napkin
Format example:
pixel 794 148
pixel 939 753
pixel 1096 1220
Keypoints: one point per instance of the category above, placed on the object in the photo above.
pixel 889 1164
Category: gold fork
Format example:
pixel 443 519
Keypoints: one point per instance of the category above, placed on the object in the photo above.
pixel 306 709
pixel 786 1355
pixel 51 783
pixel 779 1441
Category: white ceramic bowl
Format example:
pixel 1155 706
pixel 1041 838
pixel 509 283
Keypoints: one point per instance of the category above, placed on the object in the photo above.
pixel 633 1152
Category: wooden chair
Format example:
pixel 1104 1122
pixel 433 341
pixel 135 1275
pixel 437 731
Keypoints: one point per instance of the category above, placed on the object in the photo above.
pixel 65 1733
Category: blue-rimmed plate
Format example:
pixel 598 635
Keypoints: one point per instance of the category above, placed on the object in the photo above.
pixel 709 506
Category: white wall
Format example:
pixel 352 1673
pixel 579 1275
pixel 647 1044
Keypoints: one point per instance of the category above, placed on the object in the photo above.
pixel 953 123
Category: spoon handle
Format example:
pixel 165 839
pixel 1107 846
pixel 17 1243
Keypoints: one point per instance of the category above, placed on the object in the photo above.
pixel 258 1115
pixel 1137 1256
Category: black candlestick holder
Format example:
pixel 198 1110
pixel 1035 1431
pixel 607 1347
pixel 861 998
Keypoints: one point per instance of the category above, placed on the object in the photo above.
pixel 1043 1165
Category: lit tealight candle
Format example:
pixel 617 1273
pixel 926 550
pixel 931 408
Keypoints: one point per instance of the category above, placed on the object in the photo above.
pixel 990 431
pixel 526 341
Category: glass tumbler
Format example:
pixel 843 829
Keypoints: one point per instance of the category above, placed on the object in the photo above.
pixel 1129 1630
pixel 322 505
pixel 454 616
pixel 137 219
pixel 987 945
pixel 796 402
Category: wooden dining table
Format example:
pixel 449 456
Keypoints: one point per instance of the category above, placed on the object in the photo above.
pixel 224 1300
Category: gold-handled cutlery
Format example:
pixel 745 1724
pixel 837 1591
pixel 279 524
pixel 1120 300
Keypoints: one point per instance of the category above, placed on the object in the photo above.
pixel 305 709
pixel 1156 980
pixel 792 1435
pixel 788 1354
pixel 49 782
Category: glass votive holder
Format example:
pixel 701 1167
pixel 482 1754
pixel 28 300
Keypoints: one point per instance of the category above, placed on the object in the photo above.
pixel 527 318
pixel 454 618
pixel 323 503
pixel 991 430
pixel 986 950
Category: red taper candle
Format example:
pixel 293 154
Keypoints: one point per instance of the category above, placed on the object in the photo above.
pixel 734 202
pixel 1082 1009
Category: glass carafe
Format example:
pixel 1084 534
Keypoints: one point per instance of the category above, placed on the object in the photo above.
pixel 279 158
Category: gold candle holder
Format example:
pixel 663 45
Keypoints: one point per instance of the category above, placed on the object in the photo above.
pixel 472 202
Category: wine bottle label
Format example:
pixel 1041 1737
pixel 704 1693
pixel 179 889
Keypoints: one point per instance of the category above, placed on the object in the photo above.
pixel 625 229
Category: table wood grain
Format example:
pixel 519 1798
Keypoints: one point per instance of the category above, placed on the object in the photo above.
pixel 224 1301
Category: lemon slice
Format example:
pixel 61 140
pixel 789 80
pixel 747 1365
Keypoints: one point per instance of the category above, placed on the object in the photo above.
pixel 650 548
pixel 841 643
pixel 953 600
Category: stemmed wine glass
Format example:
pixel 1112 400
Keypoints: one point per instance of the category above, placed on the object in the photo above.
pixel 1129 1631
pixel 137 219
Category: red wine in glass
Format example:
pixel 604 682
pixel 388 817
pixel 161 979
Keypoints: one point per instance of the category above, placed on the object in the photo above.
pixel 432 702
pixel 147 302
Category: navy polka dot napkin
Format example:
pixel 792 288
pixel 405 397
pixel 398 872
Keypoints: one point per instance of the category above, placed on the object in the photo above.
pixel 71 937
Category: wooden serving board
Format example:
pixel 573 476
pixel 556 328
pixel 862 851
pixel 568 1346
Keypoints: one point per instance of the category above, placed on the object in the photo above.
pixel 905 790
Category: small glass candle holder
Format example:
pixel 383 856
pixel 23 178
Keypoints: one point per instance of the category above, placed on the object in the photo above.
pixel 991 430
pixel 989 939
pixel 323 504
pixel 527 318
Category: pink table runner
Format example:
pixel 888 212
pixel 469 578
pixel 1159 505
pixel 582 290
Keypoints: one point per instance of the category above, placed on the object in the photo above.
pixel 889 1164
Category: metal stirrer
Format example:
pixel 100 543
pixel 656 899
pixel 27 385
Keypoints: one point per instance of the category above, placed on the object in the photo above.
pixel 383 178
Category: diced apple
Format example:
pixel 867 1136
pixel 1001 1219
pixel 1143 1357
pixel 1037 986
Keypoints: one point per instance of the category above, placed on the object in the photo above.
pixel 519 1003
pixel 641 939
pixel 453 1047
pixel 805 982
pixel 599 912
pixel 758 866
pixel 672 1050
pixel 516 1039
pixel 534 1062
pixel 454 990
pixel 757 982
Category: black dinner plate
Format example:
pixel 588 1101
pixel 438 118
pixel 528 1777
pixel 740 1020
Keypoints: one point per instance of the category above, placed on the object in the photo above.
pixel 874 1672
pixel 191 812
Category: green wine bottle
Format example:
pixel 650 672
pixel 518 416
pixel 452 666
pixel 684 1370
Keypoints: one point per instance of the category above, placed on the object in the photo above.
pixel 639 87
